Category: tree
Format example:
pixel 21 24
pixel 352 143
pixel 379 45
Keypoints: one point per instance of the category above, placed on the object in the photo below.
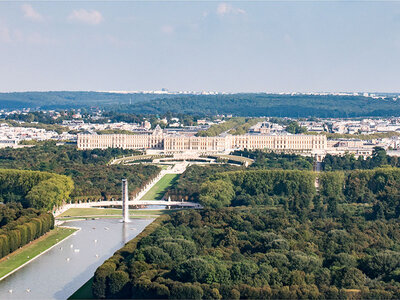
pixel 295 128
pixel 117 283
pixel 216 194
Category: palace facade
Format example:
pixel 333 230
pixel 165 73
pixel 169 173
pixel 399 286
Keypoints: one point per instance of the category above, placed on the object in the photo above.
pixel 184 143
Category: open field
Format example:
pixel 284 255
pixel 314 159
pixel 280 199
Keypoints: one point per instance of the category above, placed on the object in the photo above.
pixel 160 188
pixel 31 250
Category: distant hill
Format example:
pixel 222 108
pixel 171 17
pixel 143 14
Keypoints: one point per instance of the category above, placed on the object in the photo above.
pixel 236 104
pixel 61 100
pixel 270 105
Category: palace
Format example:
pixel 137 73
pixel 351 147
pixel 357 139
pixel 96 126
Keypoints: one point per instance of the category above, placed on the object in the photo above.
pixel 173 143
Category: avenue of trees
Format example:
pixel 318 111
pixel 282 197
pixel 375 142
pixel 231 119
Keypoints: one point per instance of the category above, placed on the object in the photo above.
pixel 40 190
pixel 19 226
pixel 93 178
pixel 256 253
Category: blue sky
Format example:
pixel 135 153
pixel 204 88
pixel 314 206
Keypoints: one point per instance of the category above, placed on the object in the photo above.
pixel 213 46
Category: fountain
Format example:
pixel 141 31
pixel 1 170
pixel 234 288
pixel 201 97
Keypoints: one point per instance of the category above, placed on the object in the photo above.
pixel 125 201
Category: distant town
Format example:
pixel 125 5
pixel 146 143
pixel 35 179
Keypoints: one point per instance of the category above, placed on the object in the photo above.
pixel 171 134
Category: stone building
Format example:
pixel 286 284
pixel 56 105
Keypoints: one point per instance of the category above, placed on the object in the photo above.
pixel 173 143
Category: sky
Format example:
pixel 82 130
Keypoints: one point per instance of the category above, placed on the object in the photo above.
pixel 252 46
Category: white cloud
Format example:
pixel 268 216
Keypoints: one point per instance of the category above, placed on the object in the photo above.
pixel 30 13
pixel 227 9
pixel 167 29
pixel 92 17
pixel 13 36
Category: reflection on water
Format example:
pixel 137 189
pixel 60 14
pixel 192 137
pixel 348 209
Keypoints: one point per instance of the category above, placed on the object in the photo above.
pixel 58 273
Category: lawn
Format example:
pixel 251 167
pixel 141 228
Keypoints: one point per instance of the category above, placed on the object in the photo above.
pixel 159 189
pixel 28 252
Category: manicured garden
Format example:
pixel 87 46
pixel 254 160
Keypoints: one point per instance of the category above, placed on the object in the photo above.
pixel 161 187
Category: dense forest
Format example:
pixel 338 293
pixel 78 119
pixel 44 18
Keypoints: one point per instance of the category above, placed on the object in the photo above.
pixel 40 190
pixel 66 100
pixel 256 253
pixel 295 190
pixel 258 105
pixel 188 184
pixel 267 234
pixel 93 178
pixel 19 226
pixel 237 104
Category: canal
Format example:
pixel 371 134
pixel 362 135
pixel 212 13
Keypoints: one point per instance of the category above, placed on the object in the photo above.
pixel 58 273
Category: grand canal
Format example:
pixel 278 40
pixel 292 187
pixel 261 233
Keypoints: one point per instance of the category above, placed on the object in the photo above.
pixel 58 273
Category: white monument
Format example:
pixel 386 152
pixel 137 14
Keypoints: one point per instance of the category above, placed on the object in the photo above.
pixel 125 201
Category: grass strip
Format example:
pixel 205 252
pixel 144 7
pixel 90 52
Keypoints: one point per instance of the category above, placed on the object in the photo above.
pixel 161 187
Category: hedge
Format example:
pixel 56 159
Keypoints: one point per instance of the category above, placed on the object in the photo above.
pixel 22 234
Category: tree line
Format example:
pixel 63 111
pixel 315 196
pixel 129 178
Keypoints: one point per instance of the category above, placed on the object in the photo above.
pixel 255 104
pixel 94 179
pixel 295 190
pixel 40 190
pixel 19 226
pixel 188 184
pixel 271 105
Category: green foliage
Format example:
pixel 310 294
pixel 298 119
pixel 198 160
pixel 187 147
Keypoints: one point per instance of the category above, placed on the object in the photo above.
pixel 19 226
pixel 115 131
pixel 273 160
pixel 277 244
pixel 259 104
pixel 216 194
pixel 294 189
pixel 93 178
pixel 379 158
pixel 262 253
pixel 188 184
pixel 234 126
pixel 117 282
pixel 267 105
pixel 295 128
pixel 40 190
